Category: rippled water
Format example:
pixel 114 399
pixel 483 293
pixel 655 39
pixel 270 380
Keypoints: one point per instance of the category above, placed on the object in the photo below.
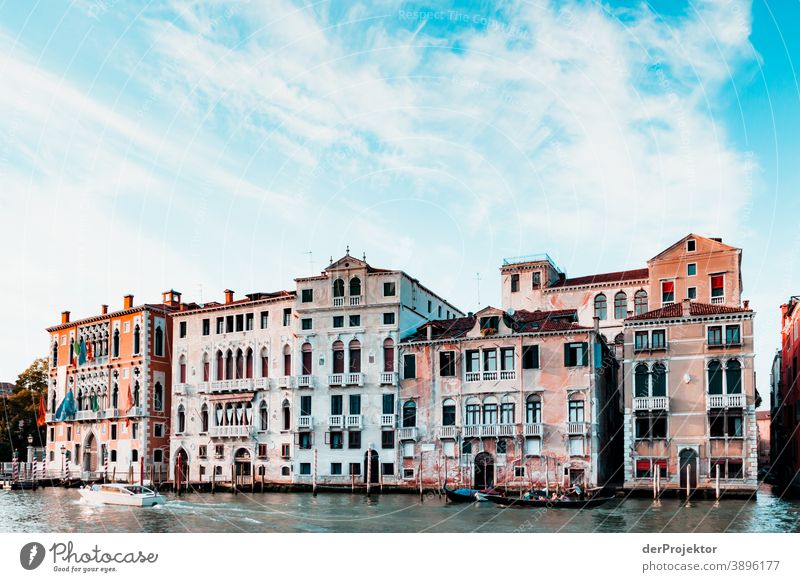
pixel 62 510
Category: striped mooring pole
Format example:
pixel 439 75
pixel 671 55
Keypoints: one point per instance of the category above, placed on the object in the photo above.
pixel 105 465
pixel 15 470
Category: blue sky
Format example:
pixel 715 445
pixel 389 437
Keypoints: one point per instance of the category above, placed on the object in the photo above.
pixel 210 145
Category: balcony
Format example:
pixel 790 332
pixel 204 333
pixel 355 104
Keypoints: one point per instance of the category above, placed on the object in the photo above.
pixel 489 376
pixel 506 430
pixel 284 381
pixel 238 385
pixel 726 401
pixel 112 412
pixel 472 377
pixel 355 301
pixel 651 403
pixel 305 381
pixel 335 379
pixel 577 428
pixel 230 431
pixel 203 387
pixel 448 432
pixel 336 421
pixel 717 300
pixel 488 430
pixel 354 379
pixel 261 383
pixel 532 429
pixel 305 422
pixel 354 421
pixel 508 374
pixel 408 433
pixel 181 389
pixel 389 378
pixel 135 411
pixel 388 420
pixel 84 415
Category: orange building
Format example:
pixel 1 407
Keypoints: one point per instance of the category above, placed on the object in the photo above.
pixel 785 400
pixel 109 400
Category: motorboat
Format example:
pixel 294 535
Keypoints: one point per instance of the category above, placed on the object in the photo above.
pixel 122 494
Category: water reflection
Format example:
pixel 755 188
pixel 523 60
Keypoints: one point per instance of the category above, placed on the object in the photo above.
pixel 62 510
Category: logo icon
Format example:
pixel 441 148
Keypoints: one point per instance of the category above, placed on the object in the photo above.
pixel 31 555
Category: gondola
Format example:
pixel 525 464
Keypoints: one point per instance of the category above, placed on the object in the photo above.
pixel 571 503
pixel 465 495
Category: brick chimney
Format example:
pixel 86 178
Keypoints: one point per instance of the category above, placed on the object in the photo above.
pixel 747 304
pixel 228 296
pixel 171 298
pixel 429 332
pixel 596 324
pixel 686 304
pixel 65 317
pixel 127 302
pixel 104 309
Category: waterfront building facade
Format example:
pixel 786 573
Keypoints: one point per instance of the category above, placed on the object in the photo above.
pixel 298 387
pixel 785 400
pixel 509 398
pixel 108 403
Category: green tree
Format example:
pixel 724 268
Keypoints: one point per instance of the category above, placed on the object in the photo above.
pixel 19 411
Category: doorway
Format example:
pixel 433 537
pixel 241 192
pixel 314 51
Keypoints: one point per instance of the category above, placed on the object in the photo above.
pixel 89 461
pixel 484 471
pixel 371 467
pixel 688 458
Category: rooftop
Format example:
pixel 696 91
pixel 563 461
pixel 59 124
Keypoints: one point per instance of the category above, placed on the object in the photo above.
pixel 695 309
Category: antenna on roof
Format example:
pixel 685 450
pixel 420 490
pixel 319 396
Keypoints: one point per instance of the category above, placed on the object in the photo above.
pixel 364 257
pixel 347 252
pixel 478 280
pixel 310 261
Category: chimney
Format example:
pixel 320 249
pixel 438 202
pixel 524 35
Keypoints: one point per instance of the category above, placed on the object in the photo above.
pixel 228 296
pixel 429 331
pixel 747 304
pixel 596 324
pixel 65 317
pixel 171 298
pixel 127 302
pixel 104 309
pixel 686 304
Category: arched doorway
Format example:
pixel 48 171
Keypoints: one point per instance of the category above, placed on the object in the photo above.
pixel 484 471
pixel 371 466
pixel 181 467
pixel 242 463
pixel 89 461
pixel 688 458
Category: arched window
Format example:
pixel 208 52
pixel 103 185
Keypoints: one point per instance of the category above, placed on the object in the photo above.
pixel 472 414
pixel 507 411
pixel 409 413
pixel 137 340
pixel 263 416
pixel 490 410
pixel 229 365
pixel 134 456
pixel 158 397
pixel 115 351
pixel 354 349
pixel 181 418
pixel 204 418
pixel 714 377
pixel 220 365
pixel 533 409
pixel 449 412
pixel 248 363
pixel 159 341
pixel 388 355
pixel 733 377
pixel 182 370
pixel 307 357
pixel 338 357
pixel 355 287
pixel 218 417
pixel 80 399
pixel 287 360
pixel 641 379
pixel 287 415
pixel 640 302
pixel 136 393
pixel 620 305
pixel 264 363
pixel 239 364
pixel 55 354
pixel 115 397
pixel 105 343
pixel 659 387
pixel 600 306
pixel 338 288
pixel 53 403
pixel 206 368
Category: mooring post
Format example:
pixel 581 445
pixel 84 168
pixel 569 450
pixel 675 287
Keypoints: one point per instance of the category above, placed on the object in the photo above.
pixel 368 472
pixel 717 482
pixel 688 485
pixel 314 477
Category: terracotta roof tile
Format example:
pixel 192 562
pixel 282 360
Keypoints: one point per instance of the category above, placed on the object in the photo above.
pixel 695 309
pixel 615 277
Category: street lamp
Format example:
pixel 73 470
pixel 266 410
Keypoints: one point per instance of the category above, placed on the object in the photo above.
pixel 63 455
pixel 30 448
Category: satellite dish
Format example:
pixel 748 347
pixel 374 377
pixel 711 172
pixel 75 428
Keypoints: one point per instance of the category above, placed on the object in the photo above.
pixel 510 311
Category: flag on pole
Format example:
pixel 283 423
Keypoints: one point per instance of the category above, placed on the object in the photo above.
pixel 41 415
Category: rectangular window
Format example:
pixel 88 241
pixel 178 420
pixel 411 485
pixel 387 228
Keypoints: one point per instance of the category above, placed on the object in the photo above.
pixel 305 323
pixel 113 432
pixel 388 404
pixel 336 405
pixel 576 354
pixel 514 283
pixel 533 447
pixel 409 366
pixel 264 319
pixel 338 321
pixel 430 305
pixel 530 357
pixel 336 468
pixel 388 318
pixel 158 456
pixel 307 295
pixel 519 472
pixel 202 451
pixel 408 473
pixel 691 245
pixel 733 335
pixel 387 439
pixel 439 312
pixel 182 329
pixel 640 340
pixel 262 451
pixel 304 440
pixel 336 440
pixel 355 468
pixel 305 468
pixel 691 269
pixel 206 327
pixel 388 289
pixel 506 359
pixel 287 316
pixel 240 322
pixel 659 339
pixel 691 293
pixel 667 292
pixel 576 446
pixel 354 320
pixel 576 411
pixel 490 324
pixel 715 335
pixel 355 404
pixel 229 324
pixel 220 325
pixel 473 361
pixel 354 439
pixel 489 360
pixel 536 280
pixel 285 450
pixel 158 430
pixel 717 286
pixel 305 405
pixel 248 322
pixel 447 364
pixel 387 469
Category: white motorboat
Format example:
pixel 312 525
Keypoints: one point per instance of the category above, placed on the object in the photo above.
pixel 122 494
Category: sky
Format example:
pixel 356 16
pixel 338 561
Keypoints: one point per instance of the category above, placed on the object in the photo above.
pixel 209 145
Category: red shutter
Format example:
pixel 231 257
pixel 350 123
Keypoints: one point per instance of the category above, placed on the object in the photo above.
pixel 717 282
pixel 643 465
pixel 668 287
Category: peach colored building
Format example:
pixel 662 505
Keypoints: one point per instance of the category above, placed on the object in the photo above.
pixel 109 397
pixel 508 399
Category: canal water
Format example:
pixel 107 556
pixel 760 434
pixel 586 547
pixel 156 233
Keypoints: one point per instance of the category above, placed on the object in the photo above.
pixel 62 510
